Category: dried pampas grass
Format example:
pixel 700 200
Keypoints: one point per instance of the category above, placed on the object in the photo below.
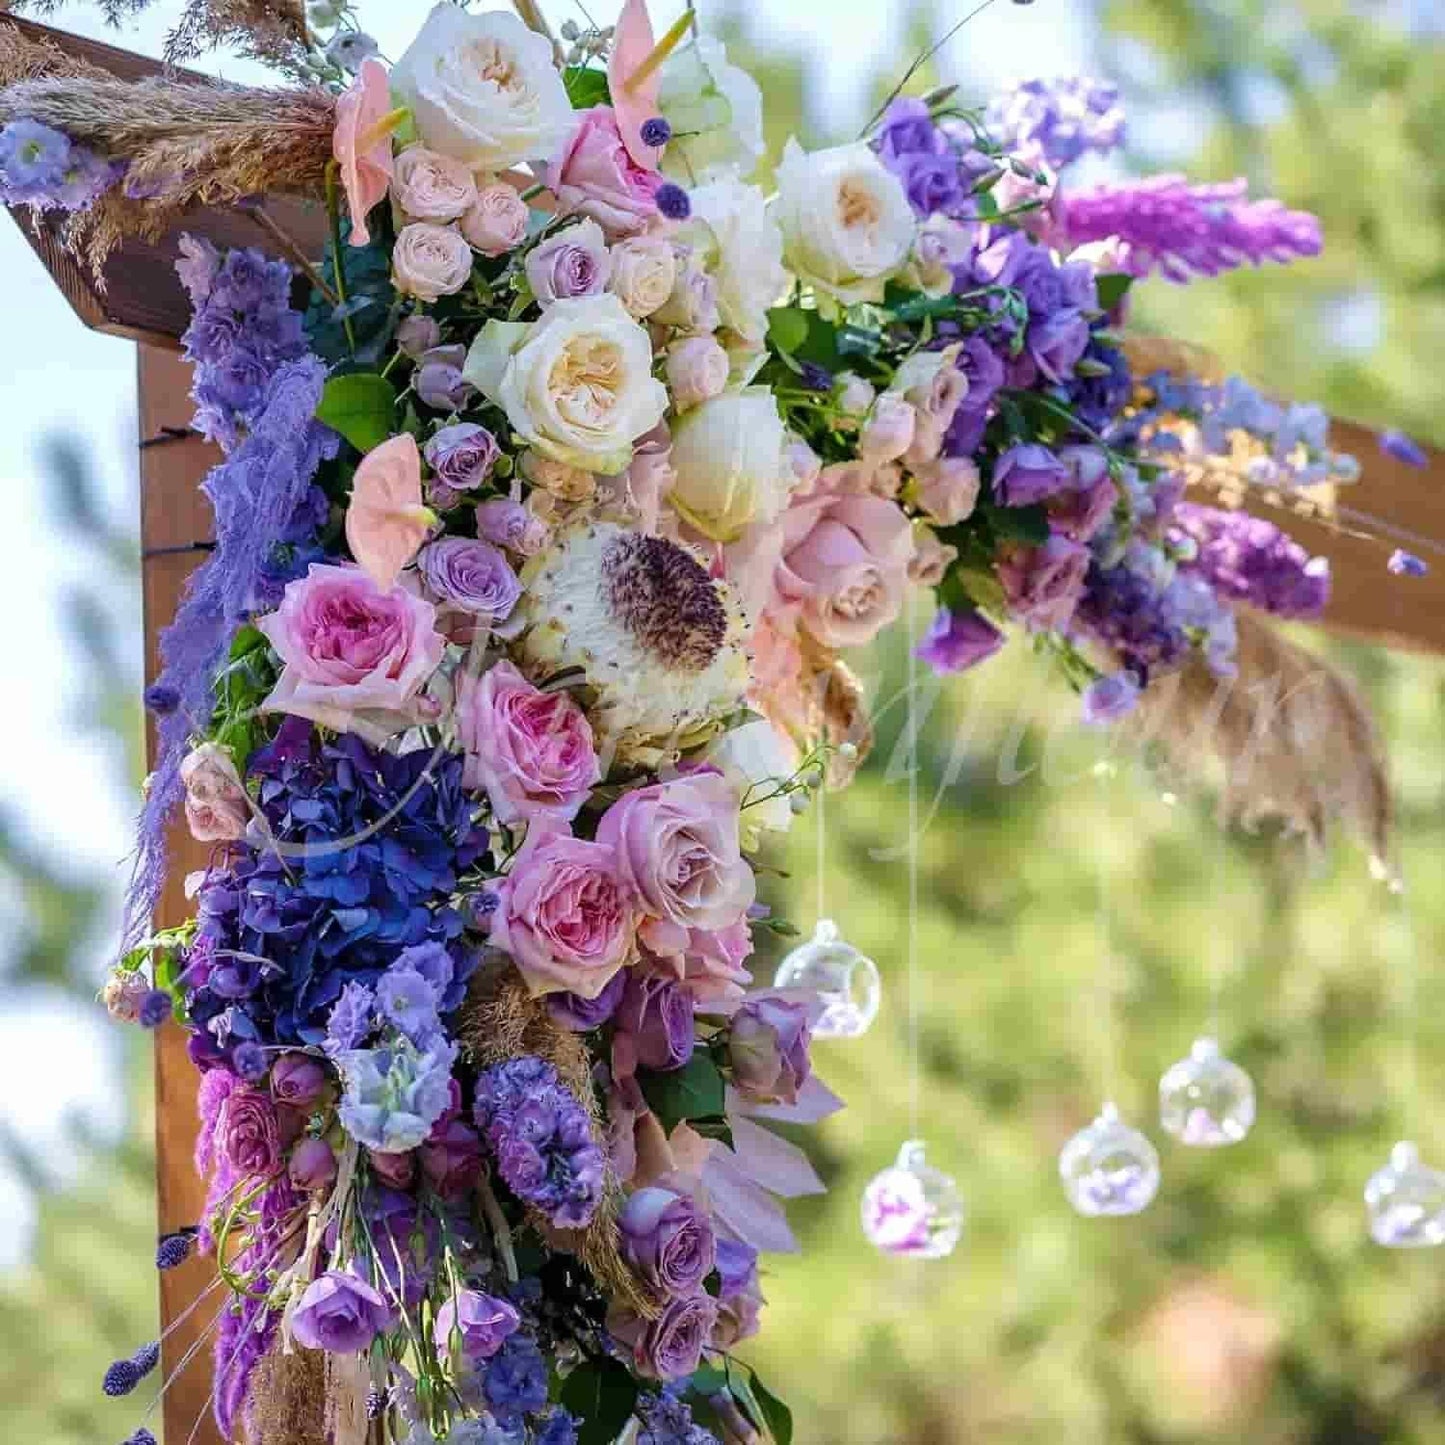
pixel 287 1401
pixel 1289 737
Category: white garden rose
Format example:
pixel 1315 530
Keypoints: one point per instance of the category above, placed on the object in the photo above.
pixel 846 222
pixel 744 254
pixel 576 385
pixel 730 456
pixel 716 113
pixel 758 761
pixel 483 88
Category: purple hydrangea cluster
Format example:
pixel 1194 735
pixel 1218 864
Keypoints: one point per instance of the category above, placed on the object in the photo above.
pixel 243 328
pixel 1181 230
pixel 1057 121
pixel 937 174
pixel 1248 559
pixel 542 1141
pixel 43 167
pixel 373 843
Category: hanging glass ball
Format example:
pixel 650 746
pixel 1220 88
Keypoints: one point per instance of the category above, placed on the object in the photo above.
pixel 845 982
pixel 1406 1202
pixel 1206 1100
pixel 1109 1168
pixel 912 1209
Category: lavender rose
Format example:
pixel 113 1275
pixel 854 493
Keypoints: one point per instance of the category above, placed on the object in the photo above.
pixel 471 575
pixel 216 806
pixel 573 262
pixel 462 456
pixel 1027 474
pixel 340 1314
pixel 768 1050
pixel 657 1015
pixel 669 1347
pixel 297 1081
pixel 249 1133
pixel 312 1165
pixel 668 1240
pixel 479 1322
pixel 581 1015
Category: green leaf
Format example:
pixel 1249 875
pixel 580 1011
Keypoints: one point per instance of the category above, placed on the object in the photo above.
pixel 1029 525
pixel 788 327
pixel 1113 287
pixel 695 1091
pixel 776 1415
pixel 585 87
pixel 361 406
pixel 714 1126
pixel 601 1394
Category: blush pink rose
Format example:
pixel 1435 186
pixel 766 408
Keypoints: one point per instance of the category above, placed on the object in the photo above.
pixel 564 914
pixel 365 159
pixel 678 849
pixel 355 656
pixel 530 751
pixel 844 563
pixel 595 176
pixel 216 807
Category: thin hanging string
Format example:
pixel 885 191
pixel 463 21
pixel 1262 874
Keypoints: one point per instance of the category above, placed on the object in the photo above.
pixel 1217 891
pixel 1409 1000
pixel 820 866
pixel 1106 1062
pixel 915 1082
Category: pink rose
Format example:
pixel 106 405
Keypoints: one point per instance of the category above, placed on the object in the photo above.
pixel 844 563
pixel 366 164
pixel 678 849
pixel 429 186
pixel 531 751
pixel 697 370
pixel 946 489
pixel 355 657
pixel 249 1133
pixel 216 808
pixel 596 177
pixel 563 914
pixel 712 963
pixel 430 262
pixel 497 220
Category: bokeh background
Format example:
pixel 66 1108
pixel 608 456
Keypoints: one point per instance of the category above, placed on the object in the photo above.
pixel 1247 1304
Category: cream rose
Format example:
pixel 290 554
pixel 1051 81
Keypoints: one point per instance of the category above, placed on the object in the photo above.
pixel 429 186
pixel 577 384
pixel 730 458
pixel 759 761
pixel 644 271
pixel 846 221
pixel 497 220
pixel 744 254
pixel 430 261
pixel 483 89
pixel 716 113
pixel 697 369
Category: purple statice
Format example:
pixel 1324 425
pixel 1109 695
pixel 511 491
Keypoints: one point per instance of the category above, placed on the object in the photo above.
pixel 1056 122
pixel 359 857
pixel 43 167
pixel 1181 230
pixel 1248 559
pixel 541 1138
pixel 666 1420
pixel 515 1383
pixel 1404 448
pixel 912 146
pixel 243 329
pixel 1407 564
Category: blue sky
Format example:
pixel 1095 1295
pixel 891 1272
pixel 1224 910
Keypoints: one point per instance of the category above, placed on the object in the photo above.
pixel 65 380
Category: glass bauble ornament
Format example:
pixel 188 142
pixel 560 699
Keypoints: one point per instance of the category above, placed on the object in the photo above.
pixel 1406 1202
pixel 1206 1100
pixel 844 981
pixel 1109 1168
pixel 912 1209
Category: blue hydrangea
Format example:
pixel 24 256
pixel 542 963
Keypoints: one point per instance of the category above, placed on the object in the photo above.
pixel 395 1093
pixel 516 1379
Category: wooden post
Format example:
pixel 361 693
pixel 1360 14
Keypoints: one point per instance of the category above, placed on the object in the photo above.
pixel 174 518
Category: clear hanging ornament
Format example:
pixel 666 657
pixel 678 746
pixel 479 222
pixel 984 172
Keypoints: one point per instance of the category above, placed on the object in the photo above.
pixel 844 981
pixel 1206 1100
pixel 1109 1168
pixel 1406 1202
pixel 912 1209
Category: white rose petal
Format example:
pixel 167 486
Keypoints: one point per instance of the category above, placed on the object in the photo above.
pixel 744 254
pixel 730 456
pixel 716 113
pixel 483 88
pixel 758 760
pixel 577 384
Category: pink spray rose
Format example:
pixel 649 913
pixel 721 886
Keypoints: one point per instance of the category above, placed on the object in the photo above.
pixel 563 914
pixel 433 187
pixel 249 1133
pixel 497 220
pixel 355 656
pixel 844 563
pixel 678 849
pixel 595 176
pixel 531 751
pixel 216 808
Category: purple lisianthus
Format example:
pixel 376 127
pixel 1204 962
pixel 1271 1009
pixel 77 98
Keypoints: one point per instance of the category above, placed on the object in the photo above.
pixel 1043 584
pixel 934 183
pixel 572 262
pixel 1107 699
pixel 956 641
pixel 768 1049
pixel 312 1165
pixel 297 1081
pixel 908 129
pixel 340 1314
pixel 582 1015
pixel 1027 474
pixel 462 456
pixel 668 1240
pixel 656 1013
pixel 1404 449
pixel 473 575
pixel 481 1324
pixel 451 1158
pixel 408 1002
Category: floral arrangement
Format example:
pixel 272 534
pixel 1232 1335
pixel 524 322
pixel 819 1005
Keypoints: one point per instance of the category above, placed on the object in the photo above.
pixel 540 531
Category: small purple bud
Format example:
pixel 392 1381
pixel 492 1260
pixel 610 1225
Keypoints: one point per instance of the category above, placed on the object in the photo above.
pixel 162 699
pixel 673 202
pixel 141 1437
pixel 155 1009
pixel 147 1358
pixel 173 1251
pixel 1407 564
pixel 656 132
pixel 249 1060
pixel 121 1378
pixel 1404 449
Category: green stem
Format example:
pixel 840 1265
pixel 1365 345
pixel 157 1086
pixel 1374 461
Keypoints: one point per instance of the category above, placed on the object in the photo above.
pixel 333 211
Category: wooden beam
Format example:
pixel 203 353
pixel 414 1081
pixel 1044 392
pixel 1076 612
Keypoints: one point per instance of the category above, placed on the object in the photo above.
pixel 175 516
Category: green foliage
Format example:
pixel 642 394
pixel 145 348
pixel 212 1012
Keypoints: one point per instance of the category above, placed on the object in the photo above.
pixel 586 87
pixel 694 1092
pixel 601 1393
pixel 361 405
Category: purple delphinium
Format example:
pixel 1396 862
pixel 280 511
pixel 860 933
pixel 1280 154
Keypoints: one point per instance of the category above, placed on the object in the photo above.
pixel 1057 121
pixel 1404 449
pixel 541 1139
pixel 666 1420
pixel 43 167
pixel 1168 225
pixel 956 641
pixel 515 1382
pixel 1247 559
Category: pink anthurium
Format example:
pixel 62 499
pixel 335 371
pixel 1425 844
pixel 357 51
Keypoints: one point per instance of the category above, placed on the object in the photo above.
pixel 635 105
pixel 361 144
pixel 387 521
